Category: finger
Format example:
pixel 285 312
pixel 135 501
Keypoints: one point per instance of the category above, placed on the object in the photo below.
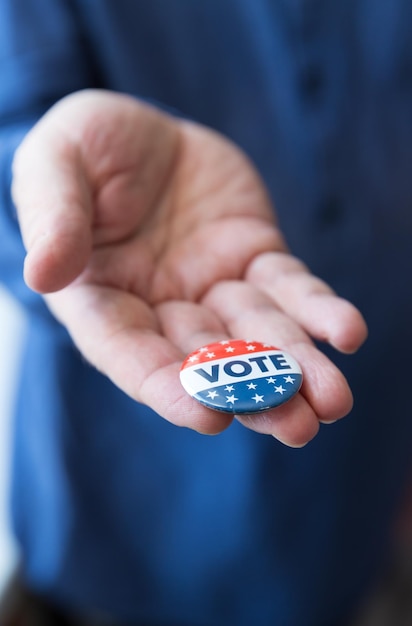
pixel 89 170
pixel 249 313
pixel 189 325
pixel 293 423
pixel 54 209
pixel 308 300
pixel 119 334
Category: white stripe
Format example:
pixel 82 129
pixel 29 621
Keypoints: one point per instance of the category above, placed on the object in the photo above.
pixel 194 382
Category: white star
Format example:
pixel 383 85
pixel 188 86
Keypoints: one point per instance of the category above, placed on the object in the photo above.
pixel 251 386
pixel 271 380
pixel 229 388
pixel 202 349
pixel 210 355
pixel 224 343
pixel 231 399
pixel 288 379
pixel 251 347
pixel 212 394
pixel 230 349
pixel 194 357
pixel 280 390
pixel 257 398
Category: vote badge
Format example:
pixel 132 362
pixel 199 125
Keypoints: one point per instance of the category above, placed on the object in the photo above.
pixel 241 377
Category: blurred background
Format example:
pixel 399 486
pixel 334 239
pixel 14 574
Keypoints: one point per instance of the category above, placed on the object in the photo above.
pixel 11 333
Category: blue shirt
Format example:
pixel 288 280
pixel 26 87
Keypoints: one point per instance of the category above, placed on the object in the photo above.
pixel 118 511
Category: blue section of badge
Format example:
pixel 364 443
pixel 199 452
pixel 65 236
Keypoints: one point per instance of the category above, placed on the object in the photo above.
pixel 251 396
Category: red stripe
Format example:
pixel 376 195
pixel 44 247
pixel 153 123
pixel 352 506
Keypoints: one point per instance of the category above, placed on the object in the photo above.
pixel 223 349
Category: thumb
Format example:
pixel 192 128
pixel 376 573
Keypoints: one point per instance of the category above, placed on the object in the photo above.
pixel 53 202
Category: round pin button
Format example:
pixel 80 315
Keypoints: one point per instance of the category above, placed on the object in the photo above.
pixel 242 377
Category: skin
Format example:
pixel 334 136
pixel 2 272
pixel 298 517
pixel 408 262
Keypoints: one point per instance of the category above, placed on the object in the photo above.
pixel 150 236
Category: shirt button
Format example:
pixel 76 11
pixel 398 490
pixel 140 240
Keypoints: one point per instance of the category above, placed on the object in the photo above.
pixel 330 211
pixel 405 74
pixel 311 82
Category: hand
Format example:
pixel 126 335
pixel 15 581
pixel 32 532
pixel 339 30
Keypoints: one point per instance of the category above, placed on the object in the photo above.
pixel 151 236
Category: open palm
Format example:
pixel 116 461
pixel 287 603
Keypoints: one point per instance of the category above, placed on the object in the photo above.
pixel 152 236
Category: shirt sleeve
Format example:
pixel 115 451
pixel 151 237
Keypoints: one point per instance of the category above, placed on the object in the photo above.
pixel 43 57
